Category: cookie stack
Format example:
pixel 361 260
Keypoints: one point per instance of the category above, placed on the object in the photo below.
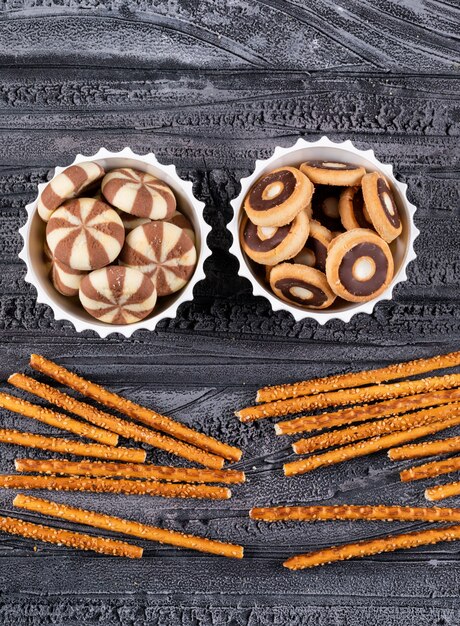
pixel 322 232
pixel 115 240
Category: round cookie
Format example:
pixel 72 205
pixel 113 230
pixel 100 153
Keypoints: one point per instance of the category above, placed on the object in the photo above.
pixel 381 206
pixel 277 197
pixel 352 209
pixel 139 193
pixel 359 265
pixel 325 207
pixel 117 295
pixel 130 222
pixel 333 172
pixel 85 234
pixel 300 284
pixel 65 280
pixel 270 245
pixel 162 251
pixel 179 219
pixel 314 252
pixel 66 185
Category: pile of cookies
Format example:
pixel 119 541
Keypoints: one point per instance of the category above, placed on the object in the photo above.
pixel 115 240
pixel 322 232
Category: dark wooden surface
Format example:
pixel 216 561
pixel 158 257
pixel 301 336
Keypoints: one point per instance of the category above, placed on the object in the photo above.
pixel 211 86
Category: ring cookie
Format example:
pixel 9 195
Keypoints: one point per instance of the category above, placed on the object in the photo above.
pixel 179 219
pixel 333 173
pixel 118 295
pixel 302 285
pixel 139 193
pixel 359 265
pixel 85 234
pixel 277 197
pixel 163 252
pixel 270 245
pixel 66 185
pixel 352 209
pixel 325 207
pixel 65 280
pixel 314 252
pixel 381 206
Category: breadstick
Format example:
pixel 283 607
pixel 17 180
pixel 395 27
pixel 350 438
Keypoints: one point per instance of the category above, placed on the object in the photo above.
pixel 368 446
pixel 373 429
pixel 348 396
pixel 355 512
pixel 68 538
pixel 129 470
pixel 107 485
pixel 115 424
pixel 356 379
pixel 67 446
pixel 427 448
pixel 365 412
pixel 374 546
pixel 133 410
pixel 440 492
pixel 128 527
pixel 57 420
pixel 429 470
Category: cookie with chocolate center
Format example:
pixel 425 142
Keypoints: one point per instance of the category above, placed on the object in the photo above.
pixel 333 172
pixel 381 206
pixel 314 252
pixel 352 209
pixel 301 285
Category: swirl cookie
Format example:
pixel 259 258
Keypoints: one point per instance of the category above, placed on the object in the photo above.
pixel 139 193
pixel 179 219
pixel 117 295
pixel 359 265
pixel 85 234
pixel 66 185
pixel 353 213
pixel 300 284
pixel 333 173
pixel 277 197
pixel 381 206
pixel 314 252
pixel 270 245
pixel 65 280
pixel 325 207
pixel 163 252
pixel 130 222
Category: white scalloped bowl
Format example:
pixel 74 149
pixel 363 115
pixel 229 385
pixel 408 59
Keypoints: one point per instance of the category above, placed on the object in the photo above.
pixel 33 234
pixel 325 150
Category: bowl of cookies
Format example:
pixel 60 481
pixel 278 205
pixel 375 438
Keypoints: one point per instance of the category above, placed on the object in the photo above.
pixel 115 242
pixel 323 230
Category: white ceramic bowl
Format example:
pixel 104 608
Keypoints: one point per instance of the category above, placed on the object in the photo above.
pixel 33 234
pixel 325 150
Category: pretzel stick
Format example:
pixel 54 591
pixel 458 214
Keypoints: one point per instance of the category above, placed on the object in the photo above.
pixel 427 448
pixel 374 546
pixel 366 412
pixel 115 424
pixel 107 485
pixel 372 429
pixel 68 538
pixel 440 492
pixel 368 446
pixel 129 470
pixel 348 396
pixel 429 470
pixel 67 446
pixel 128 527
pixel 135 411
pixel 57 420
pixel 355 512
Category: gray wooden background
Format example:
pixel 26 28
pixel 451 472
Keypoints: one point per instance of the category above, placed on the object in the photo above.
pixel 211 86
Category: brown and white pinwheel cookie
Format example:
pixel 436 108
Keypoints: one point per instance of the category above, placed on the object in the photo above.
pixel 65 279
pixel 179 219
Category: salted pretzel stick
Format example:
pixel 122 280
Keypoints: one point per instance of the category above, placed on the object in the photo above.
pixel 355 512
pixel 67 446
pixel 348 396
pixel 440 492
pixel 365 412
pixel 368 446
pixel 115 424
pixel 375 429
pixel 68 538
pixel 57 420
pixel 127 527
pixel 129 470
pixel 374 546
pixel 107 485
pixel 133 410
pixel 429 470
pixel 356 379
pixel 427 448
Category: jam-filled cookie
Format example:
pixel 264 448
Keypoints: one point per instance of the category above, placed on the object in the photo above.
pixel 359 265
pixel 277 197
pixel 300 284
pixel 270 245
pixel 314 252
pixel 325 207
pixel 352 209
pixel 333 173
pixel 381 206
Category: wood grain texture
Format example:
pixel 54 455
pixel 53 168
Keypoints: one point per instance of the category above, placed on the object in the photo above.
pixel 211 86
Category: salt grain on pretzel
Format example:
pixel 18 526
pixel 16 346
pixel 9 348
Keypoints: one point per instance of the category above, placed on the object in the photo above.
pixel 427 448
pixel 441 492
pixel 429 470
